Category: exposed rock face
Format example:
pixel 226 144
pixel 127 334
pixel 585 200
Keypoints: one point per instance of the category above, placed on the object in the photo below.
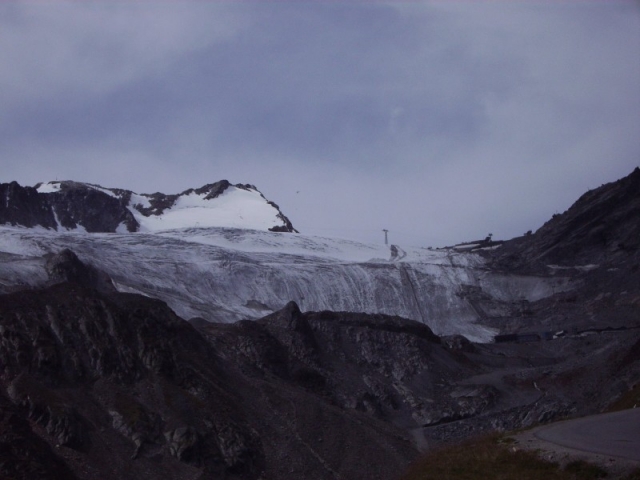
pixel 65 266
pixel 23 454
pixel 602 226
pixel 96 384
pixel 73 205
pixel 374 364
pixel 251 401
pixel 596 244
pixel 319 395
pixel 24 206
pixel 69 205
pixel 77 362
pixel 159 202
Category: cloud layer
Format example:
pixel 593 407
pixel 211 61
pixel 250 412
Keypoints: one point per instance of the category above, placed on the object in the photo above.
pixel 441 121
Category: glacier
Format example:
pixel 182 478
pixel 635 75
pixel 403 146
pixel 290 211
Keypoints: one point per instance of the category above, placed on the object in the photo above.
pixel 228 274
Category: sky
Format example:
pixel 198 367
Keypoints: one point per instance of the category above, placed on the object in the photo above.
pixel 440 121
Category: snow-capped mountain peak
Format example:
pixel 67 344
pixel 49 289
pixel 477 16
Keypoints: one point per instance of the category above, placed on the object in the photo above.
pixel 68 205
pixel 216 205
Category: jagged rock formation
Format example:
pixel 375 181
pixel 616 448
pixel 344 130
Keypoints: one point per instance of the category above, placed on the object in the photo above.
pixel 99 384
pixel 595 244
pixel 114 385
pixel 69 205
pixel 91 370
pixel 226 275
pixel 65 266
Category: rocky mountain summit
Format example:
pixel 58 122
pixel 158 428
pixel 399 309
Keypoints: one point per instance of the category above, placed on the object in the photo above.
pixel 68 205
pixel 98 381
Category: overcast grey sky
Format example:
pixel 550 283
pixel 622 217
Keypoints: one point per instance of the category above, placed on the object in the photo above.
pixel 440 121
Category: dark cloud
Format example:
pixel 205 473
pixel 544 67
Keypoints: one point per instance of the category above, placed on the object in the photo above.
pixel 439 121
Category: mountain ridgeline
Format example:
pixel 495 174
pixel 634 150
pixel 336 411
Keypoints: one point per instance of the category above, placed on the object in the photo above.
pixel 101 378
pixel 68 205
pixel 602 226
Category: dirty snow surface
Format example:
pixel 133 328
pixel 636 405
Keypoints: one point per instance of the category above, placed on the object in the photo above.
pixel 229 274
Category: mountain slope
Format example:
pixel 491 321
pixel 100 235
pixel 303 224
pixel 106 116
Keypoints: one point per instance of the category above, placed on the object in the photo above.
pixel 602 226
pixel 100 382
pixel 71 205
pixel 226 275
pixel 97 384
pixel 119 387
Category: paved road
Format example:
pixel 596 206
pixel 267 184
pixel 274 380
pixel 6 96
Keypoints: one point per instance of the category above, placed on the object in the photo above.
pixel 616 434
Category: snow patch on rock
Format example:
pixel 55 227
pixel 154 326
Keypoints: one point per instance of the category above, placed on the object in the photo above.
pixel 234 208
pixel 49 187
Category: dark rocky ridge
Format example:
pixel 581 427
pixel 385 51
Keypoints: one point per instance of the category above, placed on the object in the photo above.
pixel 100 384
pixel 91 207
pixel 65 266
pixel 602 226
pixel 75 204
pixel 295 395
pixel 117 386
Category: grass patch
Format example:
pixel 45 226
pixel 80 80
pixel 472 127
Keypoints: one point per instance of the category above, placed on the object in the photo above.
pixel 490 458
pixel 585 470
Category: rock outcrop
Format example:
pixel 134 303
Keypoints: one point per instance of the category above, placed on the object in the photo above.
pixel 65 266
pixel 88 368
pixel 318 395
pixel 98 384
pixel 68 205
pixel 600 227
